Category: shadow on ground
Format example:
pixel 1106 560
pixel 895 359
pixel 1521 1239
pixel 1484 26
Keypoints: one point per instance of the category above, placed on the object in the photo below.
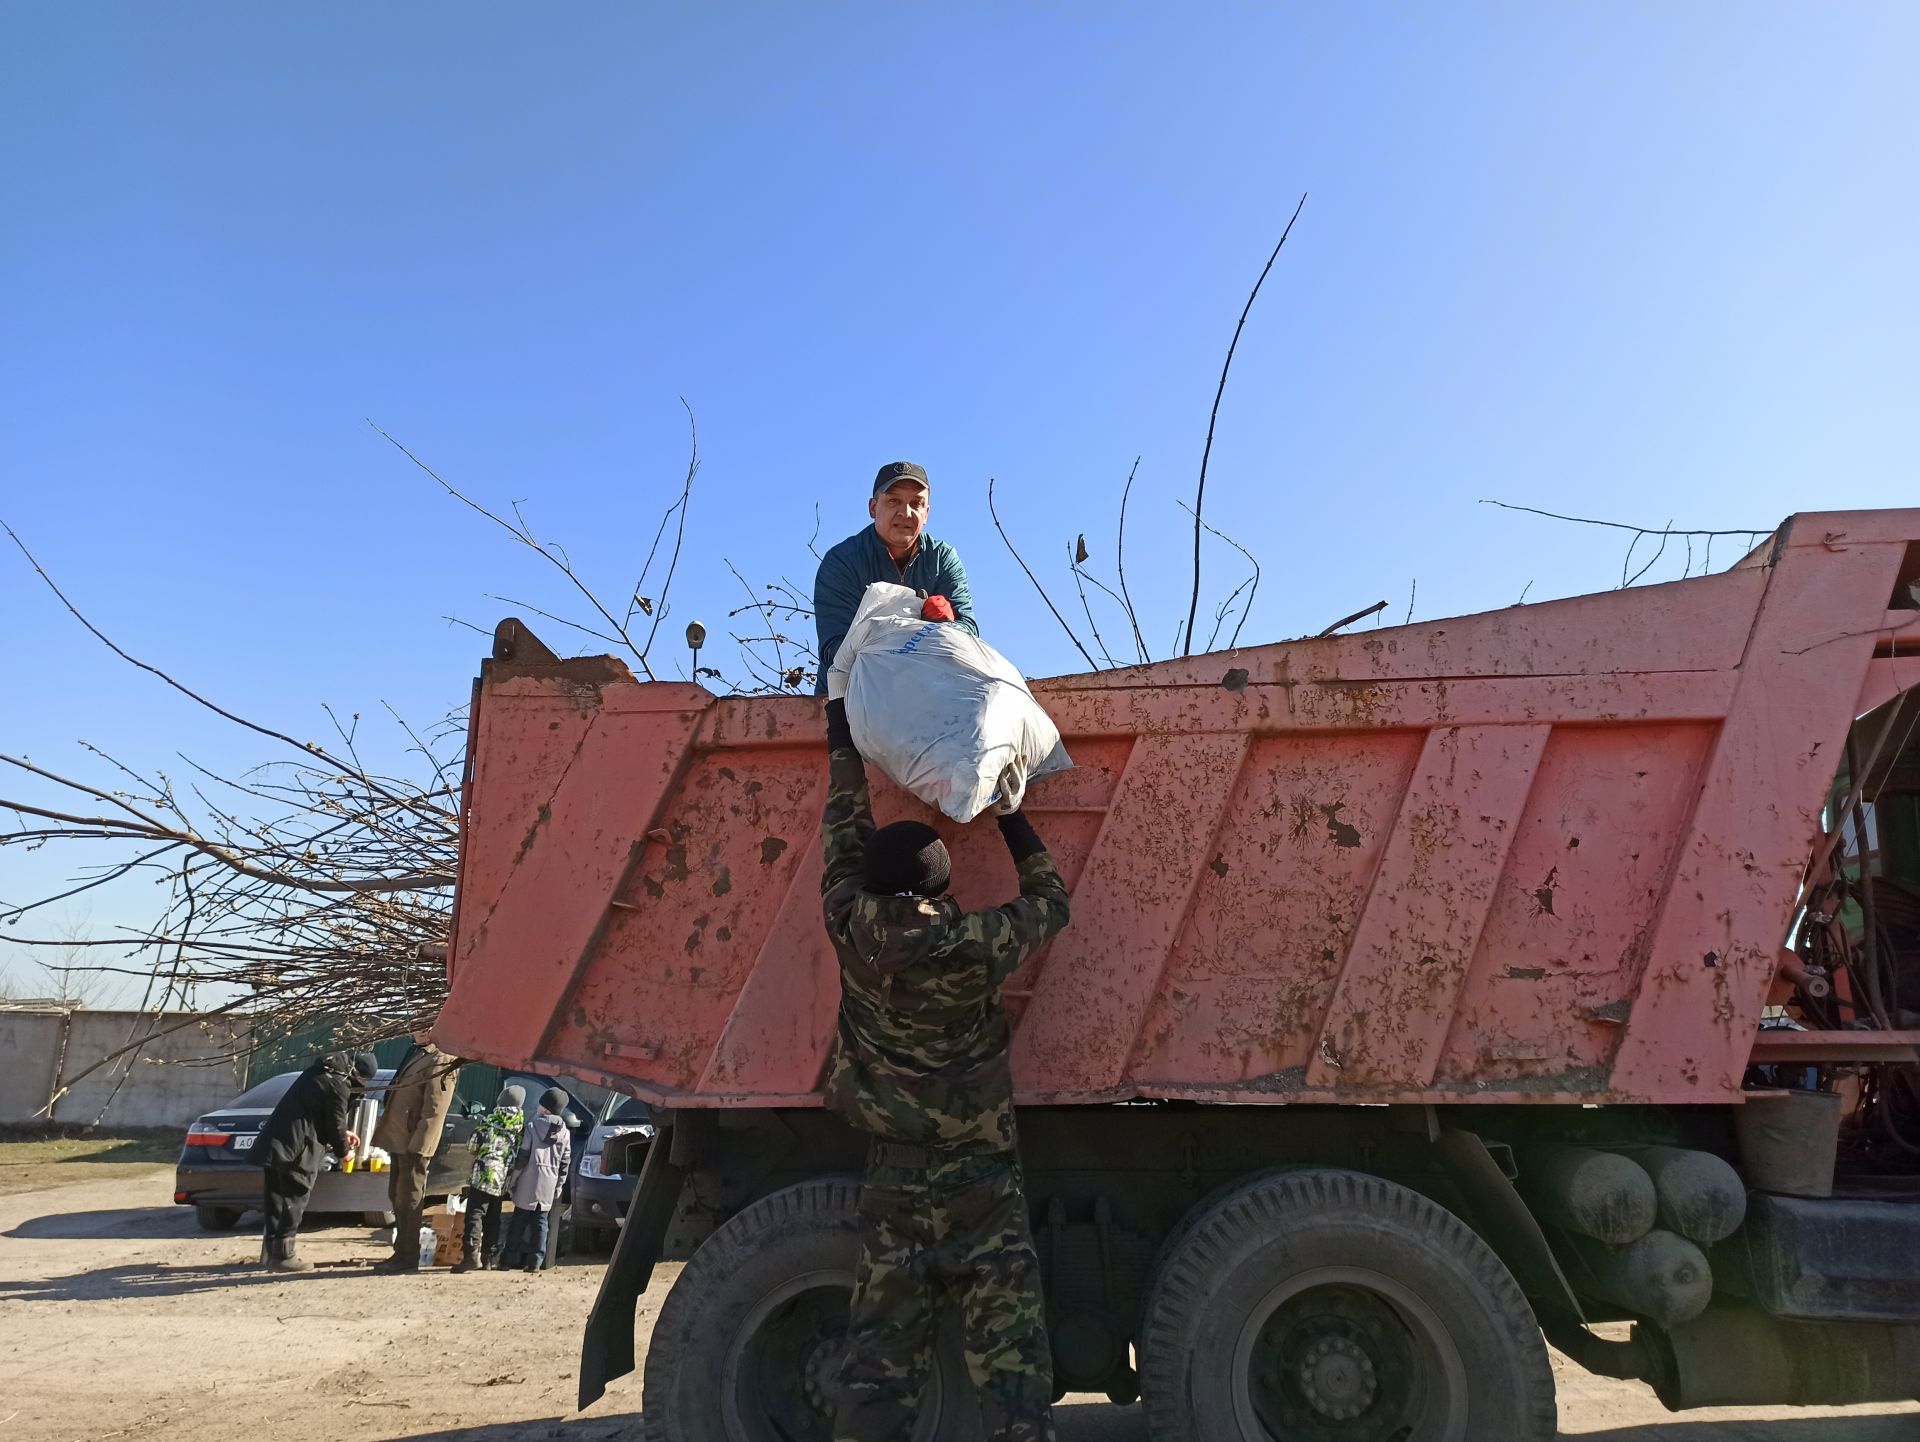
pixel 1098 1422
pixel 1101 1423
pixel 107 1284
pixel 135 1222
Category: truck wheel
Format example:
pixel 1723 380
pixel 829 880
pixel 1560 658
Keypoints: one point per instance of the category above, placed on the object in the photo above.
pixel 217 1219
pixel 1331 1306
pixel 748 1339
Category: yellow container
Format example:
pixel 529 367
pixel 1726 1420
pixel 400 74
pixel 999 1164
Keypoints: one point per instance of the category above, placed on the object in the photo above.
pixel 347 1165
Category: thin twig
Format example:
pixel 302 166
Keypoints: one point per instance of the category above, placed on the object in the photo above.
pixel 686 500
pixel 1349 620
pixel 1200 492
pixel 1667 530
pixel 1092 665
pixel 1120 565
pixel 308 747
pixel 1073 565
pixel 520 531
pixel 1243 586
pixel 1624 581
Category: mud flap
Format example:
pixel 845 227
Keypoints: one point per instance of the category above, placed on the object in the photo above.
pixel 606 1352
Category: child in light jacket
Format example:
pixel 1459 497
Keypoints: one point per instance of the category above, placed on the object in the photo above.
pixel 539 1170
pixel 496 1137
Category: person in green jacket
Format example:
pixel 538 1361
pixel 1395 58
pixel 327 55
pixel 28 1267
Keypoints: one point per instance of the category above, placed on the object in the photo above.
pixel 495 1139
pixel 920 1064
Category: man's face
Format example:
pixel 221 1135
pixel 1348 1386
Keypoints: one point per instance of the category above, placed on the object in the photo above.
pixel 900 514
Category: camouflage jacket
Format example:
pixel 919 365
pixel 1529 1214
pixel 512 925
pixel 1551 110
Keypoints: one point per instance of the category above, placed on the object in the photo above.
pixel 494 1139
pixel 921 1051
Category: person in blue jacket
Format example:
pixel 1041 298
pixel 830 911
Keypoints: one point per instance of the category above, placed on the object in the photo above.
pixel 897 548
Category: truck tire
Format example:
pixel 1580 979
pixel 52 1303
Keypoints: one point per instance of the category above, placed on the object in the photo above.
pixel 749 1336
pixel 217 1219
pixel 1332 1306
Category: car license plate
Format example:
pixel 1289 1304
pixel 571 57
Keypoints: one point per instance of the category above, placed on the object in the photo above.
pixel 241 1143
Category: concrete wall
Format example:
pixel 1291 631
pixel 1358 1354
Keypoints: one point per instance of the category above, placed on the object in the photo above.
pixel 168 1082
pixel 29 1051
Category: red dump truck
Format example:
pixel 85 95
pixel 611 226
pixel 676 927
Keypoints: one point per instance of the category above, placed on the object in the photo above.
pixel 1431 994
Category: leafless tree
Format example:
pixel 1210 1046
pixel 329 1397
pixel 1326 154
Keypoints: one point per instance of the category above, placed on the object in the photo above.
pixel 316 887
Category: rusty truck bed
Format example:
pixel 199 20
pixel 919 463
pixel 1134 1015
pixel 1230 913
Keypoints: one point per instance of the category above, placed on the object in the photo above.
pixel 1544 853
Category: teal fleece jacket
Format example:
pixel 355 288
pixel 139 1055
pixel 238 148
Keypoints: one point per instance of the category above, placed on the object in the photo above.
pixel 857 562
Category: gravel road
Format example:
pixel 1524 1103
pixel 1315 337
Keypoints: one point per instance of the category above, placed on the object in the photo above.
pixel 126 1322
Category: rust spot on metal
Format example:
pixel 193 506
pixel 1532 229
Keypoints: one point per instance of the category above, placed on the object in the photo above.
pixel 1543 894
pixel 676 868
pixel 541 818
pixel 1526 973
pixel 723 883
pixel 1218 865
pixel 770 849
pixel 1235 679
pixel 1342 833
pixel 1712 958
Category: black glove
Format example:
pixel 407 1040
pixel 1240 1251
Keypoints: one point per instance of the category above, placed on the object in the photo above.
pixel 839 732
pixel 1022 840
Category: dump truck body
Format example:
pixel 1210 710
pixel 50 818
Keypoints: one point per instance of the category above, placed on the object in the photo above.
pixel 1548 853
pixel 1457 944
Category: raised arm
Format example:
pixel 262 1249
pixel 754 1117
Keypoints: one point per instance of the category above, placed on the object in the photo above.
pixel 1009 934
pixel 848 820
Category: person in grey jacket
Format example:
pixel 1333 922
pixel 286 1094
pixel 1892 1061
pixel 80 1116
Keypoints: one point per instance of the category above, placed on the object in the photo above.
pixel 896 548
pixel 539 1170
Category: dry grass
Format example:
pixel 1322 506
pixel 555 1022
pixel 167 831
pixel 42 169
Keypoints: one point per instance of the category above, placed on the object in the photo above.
pixel 31 1161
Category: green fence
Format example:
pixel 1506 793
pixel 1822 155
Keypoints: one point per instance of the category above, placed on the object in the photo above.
pixel 479 1082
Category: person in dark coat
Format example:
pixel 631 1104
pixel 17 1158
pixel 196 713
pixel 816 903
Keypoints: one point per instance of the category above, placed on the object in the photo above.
pixel 310 1121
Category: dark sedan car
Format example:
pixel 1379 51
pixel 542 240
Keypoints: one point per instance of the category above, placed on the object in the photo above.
pixel 217 1176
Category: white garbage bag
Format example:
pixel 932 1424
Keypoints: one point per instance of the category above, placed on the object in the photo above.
pixel 937 709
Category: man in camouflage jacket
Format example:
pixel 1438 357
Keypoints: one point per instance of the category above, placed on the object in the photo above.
pixel 920 1064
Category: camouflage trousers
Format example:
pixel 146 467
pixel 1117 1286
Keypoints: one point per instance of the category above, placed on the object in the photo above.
pixel 939 1231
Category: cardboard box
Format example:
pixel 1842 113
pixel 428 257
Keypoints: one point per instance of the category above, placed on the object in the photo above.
pixel 449 1232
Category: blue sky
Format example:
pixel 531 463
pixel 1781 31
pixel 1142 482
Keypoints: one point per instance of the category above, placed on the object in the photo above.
pixel 1635 261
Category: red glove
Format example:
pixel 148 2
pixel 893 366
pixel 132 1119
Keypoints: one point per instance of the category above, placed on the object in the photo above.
pixel 937 608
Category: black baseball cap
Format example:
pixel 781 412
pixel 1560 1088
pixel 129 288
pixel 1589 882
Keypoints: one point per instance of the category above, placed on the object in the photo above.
pixel 894 472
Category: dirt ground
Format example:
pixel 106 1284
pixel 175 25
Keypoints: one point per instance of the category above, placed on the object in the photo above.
pixel 125 1321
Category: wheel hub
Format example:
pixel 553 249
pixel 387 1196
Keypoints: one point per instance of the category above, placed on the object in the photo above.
pixel 1337 1379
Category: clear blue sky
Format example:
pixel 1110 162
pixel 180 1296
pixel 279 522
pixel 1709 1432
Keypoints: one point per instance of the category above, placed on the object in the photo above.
pixel 1648 262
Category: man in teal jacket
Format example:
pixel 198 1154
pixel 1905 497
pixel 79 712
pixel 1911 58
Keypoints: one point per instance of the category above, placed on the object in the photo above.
pixel 894 548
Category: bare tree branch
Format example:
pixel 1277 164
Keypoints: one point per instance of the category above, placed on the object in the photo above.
pixel 1349 620
pixel 1091 664
pixel 1120 565
pixel 1253 581
pixel 1073 565
pixel 1200 492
